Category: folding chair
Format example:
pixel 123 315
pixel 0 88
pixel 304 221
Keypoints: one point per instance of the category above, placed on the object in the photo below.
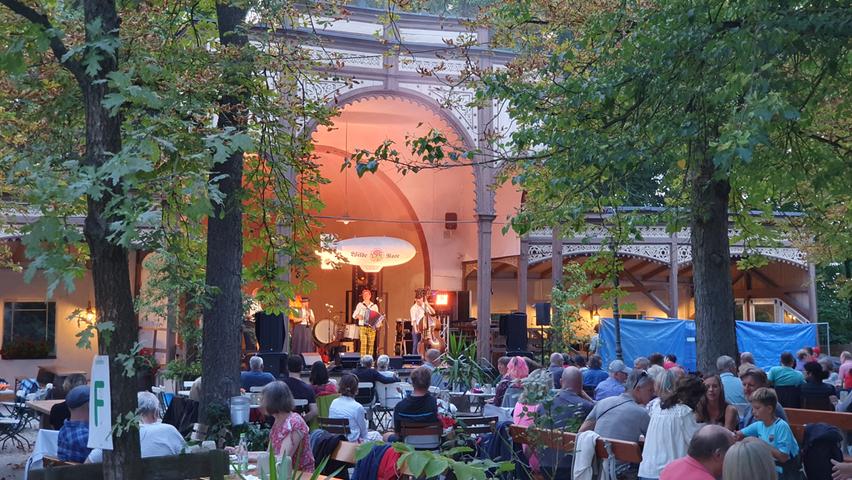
pixel 12 426
pixel 337 426
pixel 387 396
pixel 366 396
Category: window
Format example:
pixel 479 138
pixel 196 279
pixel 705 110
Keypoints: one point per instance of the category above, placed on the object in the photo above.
pixel 29 329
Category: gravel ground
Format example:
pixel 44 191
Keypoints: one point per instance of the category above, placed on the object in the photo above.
pixel 12 460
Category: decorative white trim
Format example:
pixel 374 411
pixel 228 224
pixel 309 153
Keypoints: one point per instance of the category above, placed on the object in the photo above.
pixel 651 252
pixel 456 101
pixel 408 63
pixel 327 90
pixel 334 57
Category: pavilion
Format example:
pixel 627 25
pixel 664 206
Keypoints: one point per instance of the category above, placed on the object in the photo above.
pixel 452 216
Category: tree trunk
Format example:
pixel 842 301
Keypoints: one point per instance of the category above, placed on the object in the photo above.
pixel 711 257
pixel 223 318
pixel 110 270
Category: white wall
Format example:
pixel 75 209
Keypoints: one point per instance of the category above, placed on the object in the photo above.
pixel 68 356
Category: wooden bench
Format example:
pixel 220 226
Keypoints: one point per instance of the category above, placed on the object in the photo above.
pixel 212 464
pixel 564 441
pixel 798 418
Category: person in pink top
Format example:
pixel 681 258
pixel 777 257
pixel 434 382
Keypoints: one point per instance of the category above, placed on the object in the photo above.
pixel 843 375
pixel 705 457
pixel 289 433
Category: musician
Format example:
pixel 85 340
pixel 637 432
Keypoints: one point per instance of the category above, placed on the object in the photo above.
pixel 366 333
pixel 302 336
pixel 420 323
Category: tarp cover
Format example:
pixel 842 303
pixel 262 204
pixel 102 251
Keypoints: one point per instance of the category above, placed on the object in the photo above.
pixel 766 341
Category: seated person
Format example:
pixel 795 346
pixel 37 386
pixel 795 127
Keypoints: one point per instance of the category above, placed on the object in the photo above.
pixel 289 434
pixel 419 407
pixel 388 394
pixel 320 382
pixel 60 412
pixel 156 439
pixel 432 360
pixel 571 404
pixel 255 377
pixel 814 388
pixel 345 406
pixel 785 375
pixel 594 375
pixel 299 389
pixel 366 373
pixel 614 384
pixel 753 380
pixel 74 434
pixel 769 428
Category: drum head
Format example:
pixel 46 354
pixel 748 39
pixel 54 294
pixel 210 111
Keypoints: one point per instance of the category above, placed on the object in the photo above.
pixel 325 331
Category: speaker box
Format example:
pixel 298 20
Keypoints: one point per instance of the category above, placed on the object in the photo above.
pixel 349 360
pixel 274 362
pixel 542 314
pixel 516 331
pixel 270 332
pixel 310 359
pixel 395 363
pixel 412 360
pixel 461 312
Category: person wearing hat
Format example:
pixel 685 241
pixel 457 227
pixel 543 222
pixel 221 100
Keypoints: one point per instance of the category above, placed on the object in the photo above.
pixel 614 385
pixel 302 334
pixel 74 434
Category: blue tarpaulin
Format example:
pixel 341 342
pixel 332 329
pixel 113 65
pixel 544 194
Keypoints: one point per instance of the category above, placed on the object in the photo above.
pixel 766 341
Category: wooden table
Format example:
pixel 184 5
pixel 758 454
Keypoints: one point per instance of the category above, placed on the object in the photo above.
pixel 61 372
pixel 43 407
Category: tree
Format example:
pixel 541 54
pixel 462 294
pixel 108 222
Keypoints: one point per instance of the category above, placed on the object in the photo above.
pixel 117 125
pixel 737 105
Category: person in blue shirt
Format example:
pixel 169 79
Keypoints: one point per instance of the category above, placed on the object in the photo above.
pixel 614 385
pixel 255 377
pixel 731 384
pixel 769 428
pixel 74 434
pixel 594 375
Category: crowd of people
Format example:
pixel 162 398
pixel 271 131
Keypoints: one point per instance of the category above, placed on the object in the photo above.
pixel 687 423
pixel 729 423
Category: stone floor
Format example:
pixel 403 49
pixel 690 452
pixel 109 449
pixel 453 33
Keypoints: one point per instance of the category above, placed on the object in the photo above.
pixel 12 460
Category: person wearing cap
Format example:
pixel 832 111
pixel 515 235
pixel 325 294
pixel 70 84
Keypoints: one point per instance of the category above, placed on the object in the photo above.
pixel 303 339
pixel 614 385
pixel 74 434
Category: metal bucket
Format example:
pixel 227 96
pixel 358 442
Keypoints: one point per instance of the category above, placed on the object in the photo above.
pixel 239 410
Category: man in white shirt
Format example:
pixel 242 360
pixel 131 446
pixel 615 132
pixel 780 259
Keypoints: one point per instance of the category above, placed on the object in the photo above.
pixel 156 439
pixel 367 333
pixel 419 322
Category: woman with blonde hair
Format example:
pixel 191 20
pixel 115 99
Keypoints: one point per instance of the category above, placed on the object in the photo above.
pixel 749 459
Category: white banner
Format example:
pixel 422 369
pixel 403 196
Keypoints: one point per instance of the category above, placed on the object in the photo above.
pixel 100 408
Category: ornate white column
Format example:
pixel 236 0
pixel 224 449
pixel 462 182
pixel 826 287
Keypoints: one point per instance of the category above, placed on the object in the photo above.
pixel 812 296
pixel 673 272
pixel 523 265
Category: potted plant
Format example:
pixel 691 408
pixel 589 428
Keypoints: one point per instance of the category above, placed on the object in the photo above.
pixel 147 367
pixel 460 367
pixel 25 348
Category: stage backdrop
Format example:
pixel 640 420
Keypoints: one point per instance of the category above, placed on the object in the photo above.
pixel 766 341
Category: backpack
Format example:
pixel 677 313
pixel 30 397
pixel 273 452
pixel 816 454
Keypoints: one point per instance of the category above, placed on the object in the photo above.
pixel 821 445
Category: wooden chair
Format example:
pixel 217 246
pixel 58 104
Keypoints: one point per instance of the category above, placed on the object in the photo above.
pixel 334 425
pixel 421 436
pixel 817 403
pixel 323 406
pixel 212 465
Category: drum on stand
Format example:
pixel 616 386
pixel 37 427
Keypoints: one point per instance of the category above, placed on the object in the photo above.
pixel 325 332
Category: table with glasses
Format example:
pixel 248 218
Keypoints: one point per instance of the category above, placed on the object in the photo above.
pixel 478 398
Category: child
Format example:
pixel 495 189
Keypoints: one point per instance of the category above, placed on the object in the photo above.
pixel 769 428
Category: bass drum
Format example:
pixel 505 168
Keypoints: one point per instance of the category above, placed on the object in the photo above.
pixel 325 332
